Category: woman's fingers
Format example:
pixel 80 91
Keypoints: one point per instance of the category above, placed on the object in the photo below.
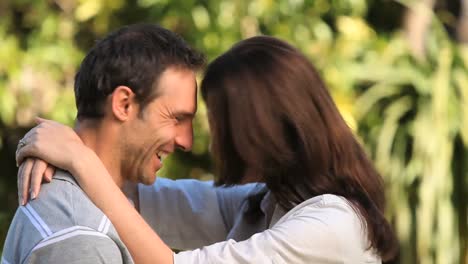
pixel 24 176
pixel 31 174
pixel 25 144
pixel 37 174
pixel 20 184
pixel 39 120
pixel 49 173
pixel 28 143
pixel 23 151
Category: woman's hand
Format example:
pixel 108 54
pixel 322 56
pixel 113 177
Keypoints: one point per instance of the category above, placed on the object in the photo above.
pixel 50 141
pixel 47 143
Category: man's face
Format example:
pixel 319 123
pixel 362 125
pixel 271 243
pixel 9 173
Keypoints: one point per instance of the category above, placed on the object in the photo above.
pixel 163 125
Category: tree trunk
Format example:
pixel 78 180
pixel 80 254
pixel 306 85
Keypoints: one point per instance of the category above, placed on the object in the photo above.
pixel 462 27
pixel 417 22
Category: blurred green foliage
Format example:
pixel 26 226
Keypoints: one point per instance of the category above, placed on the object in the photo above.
pixel 410 114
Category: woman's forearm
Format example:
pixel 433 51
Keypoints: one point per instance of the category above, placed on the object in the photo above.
pixel 143 243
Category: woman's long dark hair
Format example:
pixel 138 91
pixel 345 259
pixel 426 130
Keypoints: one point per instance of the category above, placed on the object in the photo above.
pixel 273 120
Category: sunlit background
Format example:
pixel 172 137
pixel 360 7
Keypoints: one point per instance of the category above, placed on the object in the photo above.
pixel 398 71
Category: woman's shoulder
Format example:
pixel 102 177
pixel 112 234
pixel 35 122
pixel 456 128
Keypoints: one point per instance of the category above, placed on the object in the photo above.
pixel 327 207
pixel 331 223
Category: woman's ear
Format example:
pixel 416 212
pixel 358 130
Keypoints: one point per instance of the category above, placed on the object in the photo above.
pixel 123 103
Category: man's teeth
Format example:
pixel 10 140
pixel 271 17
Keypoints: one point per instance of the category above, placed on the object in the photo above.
pixel 161 156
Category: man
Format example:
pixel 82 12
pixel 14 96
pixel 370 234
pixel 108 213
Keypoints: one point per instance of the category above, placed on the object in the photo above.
pixel 136 97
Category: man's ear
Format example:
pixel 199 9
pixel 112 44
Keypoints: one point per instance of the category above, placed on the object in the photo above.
pixel 123 103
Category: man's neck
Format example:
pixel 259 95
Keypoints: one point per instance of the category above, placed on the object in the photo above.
pixel 99 137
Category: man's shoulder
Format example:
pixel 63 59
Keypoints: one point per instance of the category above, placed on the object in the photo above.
pixel 62 204
pixel 61 211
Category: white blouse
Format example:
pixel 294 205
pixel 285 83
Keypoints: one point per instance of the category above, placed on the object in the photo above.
pixel 190 214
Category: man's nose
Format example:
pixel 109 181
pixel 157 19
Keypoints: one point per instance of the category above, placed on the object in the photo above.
pixel 184 138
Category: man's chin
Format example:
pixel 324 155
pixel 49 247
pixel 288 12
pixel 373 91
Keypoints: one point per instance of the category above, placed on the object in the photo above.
pixel 148 180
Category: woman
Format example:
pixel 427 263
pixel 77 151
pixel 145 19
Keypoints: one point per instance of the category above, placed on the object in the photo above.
pixel 272 121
